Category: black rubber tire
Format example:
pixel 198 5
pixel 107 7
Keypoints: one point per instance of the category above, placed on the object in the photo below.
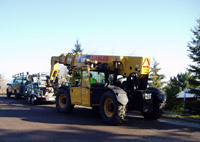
pixel 8 93
pixel 32 100
pixel 117 112
pixel 63 102
pixel 16 95
pixel 96 108
pixel 29 99
pixel 156 113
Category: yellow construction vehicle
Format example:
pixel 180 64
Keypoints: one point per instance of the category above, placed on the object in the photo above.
pixel 111 84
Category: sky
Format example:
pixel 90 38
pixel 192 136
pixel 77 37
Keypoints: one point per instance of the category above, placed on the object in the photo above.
pixel 31 31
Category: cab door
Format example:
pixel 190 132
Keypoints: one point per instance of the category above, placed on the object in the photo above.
pixel 15 86
pixel 76 89
pixel 85 92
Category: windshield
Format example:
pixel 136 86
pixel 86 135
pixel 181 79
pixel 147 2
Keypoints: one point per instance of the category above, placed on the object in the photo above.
pixel 98 76
pixel 18 80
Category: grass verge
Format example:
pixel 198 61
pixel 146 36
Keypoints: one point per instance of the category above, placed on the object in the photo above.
pixel 181 116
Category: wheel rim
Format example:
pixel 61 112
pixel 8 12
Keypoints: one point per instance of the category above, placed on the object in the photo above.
pixel 62 101
pixel 109 107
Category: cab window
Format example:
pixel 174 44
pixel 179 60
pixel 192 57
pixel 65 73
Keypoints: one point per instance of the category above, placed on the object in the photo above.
pixel 85 78
pixel 99 77
pixel 77 78
pixel 15 81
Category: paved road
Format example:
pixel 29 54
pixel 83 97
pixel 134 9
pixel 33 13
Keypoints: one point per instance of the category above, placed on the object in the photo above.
pixel 21 122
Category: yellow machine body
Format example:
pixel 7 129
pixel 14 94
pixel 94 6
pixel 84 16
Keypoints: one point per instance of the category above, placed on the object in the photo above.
pixel 126 64
pixel 80 93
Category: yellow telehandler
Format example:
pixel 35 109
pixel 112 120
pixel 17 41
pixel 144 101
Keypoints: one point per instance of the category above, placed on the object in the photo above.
pixel 110 84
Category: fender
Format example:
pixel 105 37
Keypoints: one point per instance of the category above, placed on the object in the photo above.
pixel 67 88
pixel 120 94
pixel 160 95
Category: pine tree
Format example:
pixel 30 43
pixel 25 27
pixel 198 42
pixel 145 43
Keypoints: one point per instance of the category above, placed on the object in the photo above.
pixel 194 49
pixel 174 86
pixel 156 79
pixel 77 47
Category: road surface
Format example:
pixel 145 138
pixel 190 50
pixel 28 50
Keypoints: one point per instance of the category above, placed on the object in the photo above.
pixel 21 122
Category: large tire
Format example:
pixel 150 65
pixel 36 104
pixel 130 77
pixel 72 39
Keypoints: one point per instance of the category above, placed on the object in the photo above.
pixel 111 111
pixel 63 102
pixel 32 100
pixel 29 99
pixel 156 113
pixel 8 93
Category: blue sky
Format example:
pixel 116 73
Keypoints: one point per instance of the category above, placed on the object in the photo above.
pixel 31 31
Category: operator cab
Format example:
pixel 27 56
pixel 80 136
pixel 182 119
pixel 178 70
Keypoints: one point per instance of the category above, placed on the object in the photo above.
pixel 86 86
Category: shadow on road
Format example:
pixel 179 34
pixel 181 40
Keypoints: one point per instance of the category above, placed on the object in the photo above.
pixel 79 134
pixel 80 116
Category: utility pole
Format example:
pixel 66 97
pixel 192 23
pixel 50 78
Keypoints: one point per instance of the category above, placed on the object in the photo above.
pixel 185 91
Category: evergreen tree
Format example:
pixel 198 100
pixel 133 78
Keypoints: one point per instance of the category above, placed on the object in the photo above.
pixel 156 79
pixel 174 86
pixel 194 54
pixel 77 47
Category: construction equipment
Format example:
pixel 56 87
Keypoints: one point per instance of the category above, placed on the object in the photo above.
pixel 38 90
pixel 120 84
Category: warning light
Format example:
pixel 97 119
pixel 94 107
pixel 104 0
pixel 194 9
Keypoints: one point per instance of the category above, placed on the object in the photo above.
pixel 87 60
pixel 95 61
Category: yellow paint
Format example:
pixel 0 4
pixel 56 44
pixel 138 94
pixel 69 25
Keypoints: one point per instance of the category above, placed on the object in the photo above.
pixel 62 103
pixel 108 103
pixel 54 72
pixel 126 64
pixel 80 95
pixel 75 90
pixel 86 97
pixel 145 66
pixel 75 94
pixel 85 84
pixel 80 92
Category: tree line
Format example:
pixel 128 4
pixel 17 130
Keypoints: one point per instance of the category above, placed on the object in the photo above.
pixel 178 83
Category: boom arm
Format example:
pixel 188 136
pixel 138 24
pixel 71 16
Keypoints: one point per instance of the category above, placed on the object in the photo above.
pixel 65 59
pixel 123 65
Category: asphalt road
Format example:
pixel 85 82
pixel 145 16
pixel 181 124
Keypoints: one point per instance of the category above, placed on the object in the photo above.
pixel 21 122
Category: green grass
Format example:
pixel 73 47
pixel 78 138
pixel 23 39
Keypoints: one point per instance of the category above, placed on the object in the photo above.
pixel 177 115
